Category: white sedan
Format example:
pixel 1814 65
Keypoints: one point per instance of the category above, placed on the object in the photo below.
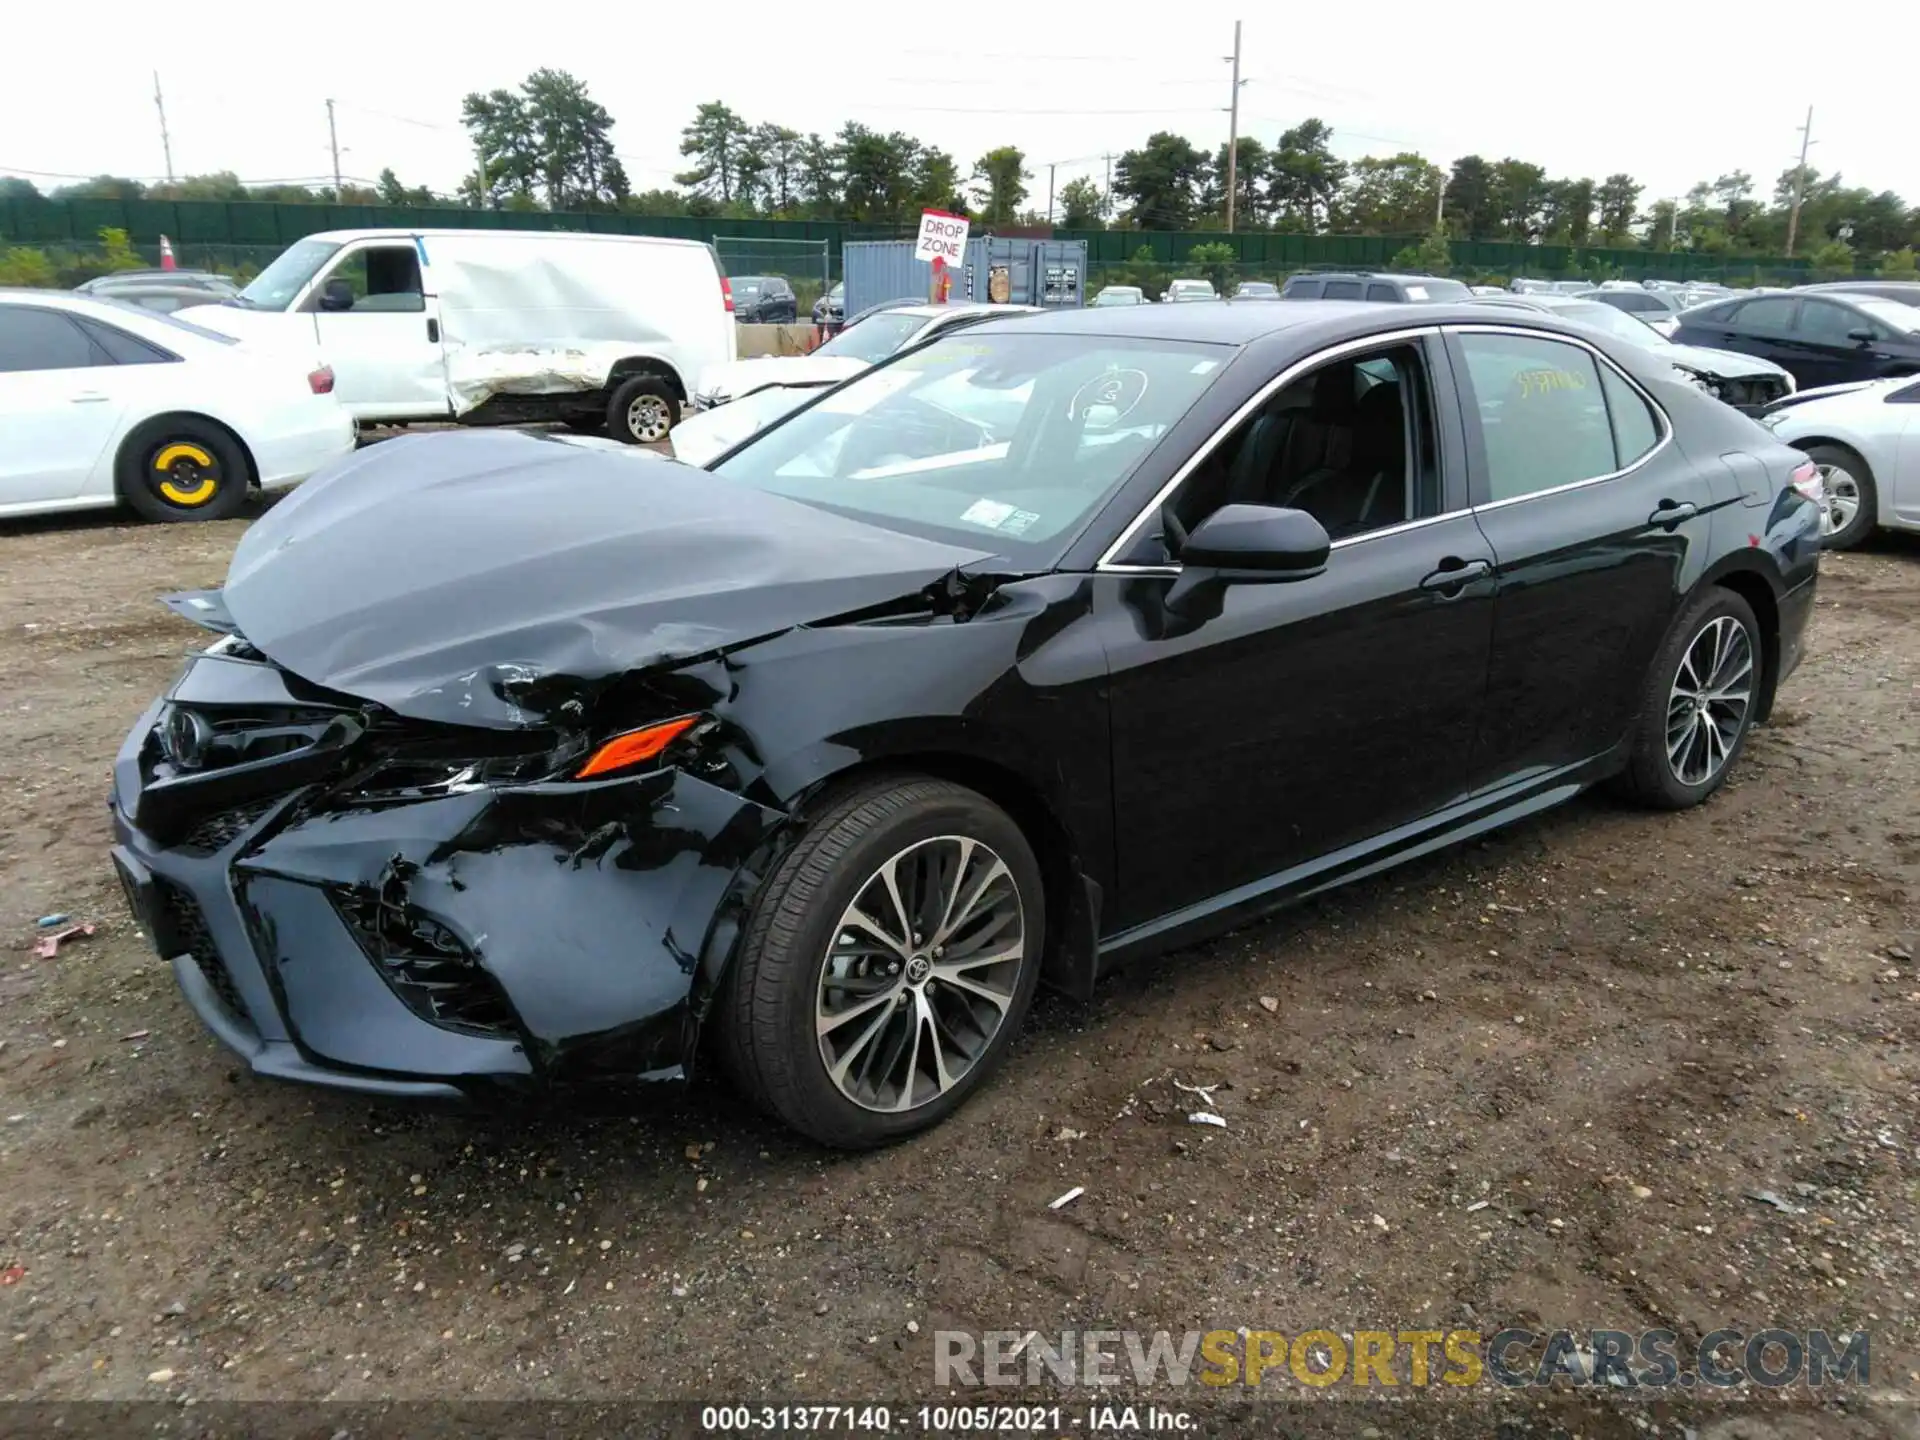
pixel 103 403
pixel 1865 437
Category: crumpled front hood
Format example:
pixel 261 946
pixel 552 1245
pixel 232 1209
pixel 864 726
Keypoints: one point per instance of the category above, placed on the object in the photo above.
pixel 1727 364
pixel 495 578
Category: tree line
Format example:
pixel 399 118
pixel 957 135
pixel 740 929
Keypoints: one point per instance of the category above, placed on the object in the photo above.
pixel 549 145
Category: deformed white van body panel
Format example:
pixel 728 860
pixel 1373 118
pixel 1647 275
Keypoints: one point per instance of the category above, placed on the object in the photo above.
pixel 505 312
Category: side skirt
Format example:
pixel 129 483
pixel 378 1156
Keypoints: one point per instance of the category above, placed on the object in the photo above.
pixel 1515 800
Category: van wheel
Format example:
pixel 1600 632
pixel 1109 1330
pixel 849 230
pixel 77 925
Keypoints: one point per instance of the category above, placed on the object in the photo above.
pixel 181 468
pixel 642 411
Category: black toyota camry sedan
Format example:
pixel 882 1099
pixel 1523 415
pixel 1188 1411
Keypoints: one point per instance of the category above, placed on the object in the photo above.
pixel 1052 643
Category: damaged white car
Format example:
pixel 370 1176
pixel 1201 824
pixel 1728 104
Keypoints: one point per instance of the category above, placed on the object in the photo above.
pixel 495 327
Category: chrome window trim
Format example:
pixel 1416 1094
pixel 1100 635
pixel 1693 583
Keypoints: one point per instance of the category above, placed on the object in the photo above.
pixel 1108 565
pixel 1600 358
pixel 1151 509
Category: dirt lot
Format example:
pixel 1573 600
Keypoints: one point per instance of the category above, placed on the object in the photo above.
pixel 1609 1026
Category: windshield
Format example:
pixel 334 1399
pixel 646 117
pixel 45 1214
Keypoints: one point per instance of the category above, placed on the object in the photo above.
pixel 748 285
pixel 274 287
pixel 1617 323
pixel 1893 313
pixel 1002 441
pixel 1112 296
pixel 874 338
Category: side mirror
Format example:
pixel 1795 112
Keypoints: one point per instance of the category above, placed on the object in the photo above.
pixel 1864 336
pixel 1246 544
pixel 338 295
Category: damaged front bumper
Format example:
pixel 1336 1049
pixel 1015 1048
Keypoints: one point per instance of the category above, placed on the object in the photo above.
pixel 426 940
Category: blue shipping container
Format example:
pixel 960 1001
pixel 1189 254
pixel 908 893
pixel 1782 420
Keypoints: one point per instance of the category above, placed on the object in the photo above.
pixel 1048 273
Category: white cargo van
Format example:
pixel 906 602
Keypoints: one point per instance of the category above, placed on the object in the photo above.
pixel 494 327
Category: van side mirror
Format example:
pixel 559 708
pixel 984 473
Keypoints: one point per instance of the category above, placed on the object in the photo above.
pixel 338 295
pixel 1246 544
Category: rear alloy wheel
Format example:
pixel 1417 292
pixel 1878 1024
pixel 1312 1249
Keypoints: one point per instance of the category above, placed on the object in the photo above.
pixel 1699 703
pixel 1852 500
pixel 182 469
pixel 642 411
pixel 890 960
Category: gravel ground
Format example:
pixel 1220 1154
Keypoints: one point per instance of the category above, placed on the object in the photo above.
pixel 1533 1081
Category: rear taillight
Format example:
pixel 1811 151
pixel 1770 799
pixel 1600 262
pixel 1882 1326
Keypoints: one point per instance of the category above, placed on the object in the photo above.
pixel 321 381
pixel 726 294
pixel 1807 483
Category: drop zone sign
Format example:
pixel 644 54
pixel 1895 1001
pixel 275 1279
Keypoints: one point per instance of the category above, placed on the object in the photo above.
pixel 942 237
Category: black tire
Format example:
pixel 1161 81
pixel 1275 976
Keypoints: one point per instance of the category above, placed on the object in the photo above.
pixel 180 468
pixel 1853 466
pixel 1650 777
pixel 767 1036
pixel 633 399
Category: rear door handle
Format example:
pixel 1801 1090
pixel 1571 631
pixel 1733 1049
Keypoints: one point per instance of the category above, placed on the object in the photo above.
pixel 1672 513
pixel 1455 574
pixel 88 397
pixel 433 331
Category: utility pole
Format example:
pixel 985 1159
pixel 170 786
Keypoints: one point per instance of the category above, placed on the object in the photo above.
pixel 1050 168
pixel 1106 195
pixel 1440 203
pixel 1799 182
pixel 166 144
pixel 1233 129
pixel 333 139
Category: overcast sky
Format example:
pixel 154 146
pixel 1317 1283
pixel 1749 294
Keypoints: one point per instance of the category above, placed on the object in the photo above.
pixel 1583 90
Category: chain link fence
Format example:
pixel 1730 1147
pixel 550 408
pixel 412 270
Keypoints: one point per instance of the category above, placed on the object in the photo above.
pixel 806 265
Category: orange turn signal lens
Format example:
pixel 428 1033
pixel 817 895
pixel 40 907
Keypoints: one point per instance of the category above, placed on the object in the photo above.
pixel 635 746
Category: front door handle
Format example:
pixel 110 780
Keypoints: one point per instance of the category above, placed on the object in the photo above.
pixel 1672 513
pixel 1455 574
pixel 88 397
pixel 433 331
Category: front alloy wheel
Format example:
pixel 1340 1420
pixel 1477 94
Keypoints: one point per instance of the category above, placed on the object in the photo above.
pixel 921 974
pixel 887 961
pixel 1710 700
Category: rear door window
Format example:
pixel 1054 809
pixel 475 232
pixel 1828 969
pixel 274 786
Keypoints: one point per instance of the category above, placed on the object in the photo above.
pixel 1382 292
pixel 1303 289
pixel 1542 412
pixel 1770 314
pixel 34 339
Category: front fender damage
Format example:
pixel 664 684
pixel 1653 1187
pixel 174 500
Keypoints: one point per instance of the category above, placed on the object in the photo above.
pixel 592 907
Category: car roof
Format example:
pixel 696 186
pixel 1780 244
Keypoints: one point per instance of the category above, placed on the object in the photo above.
pixel 928 312
pixel 1369 275
pixel 342 237
pixel 1228 323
